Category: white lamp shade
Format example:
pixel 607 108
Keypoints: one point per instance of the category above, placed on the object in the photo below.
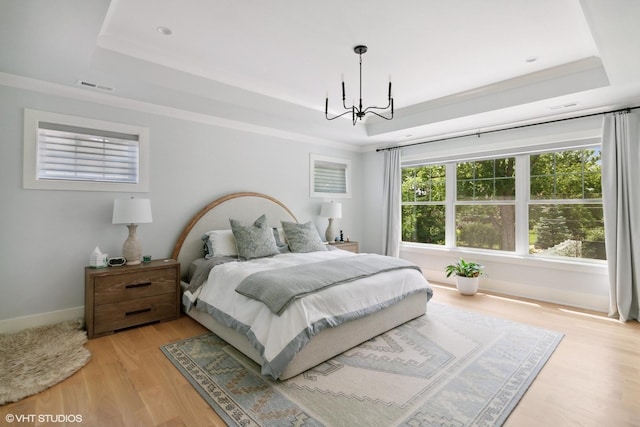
pixel 331 210
pixel 131 211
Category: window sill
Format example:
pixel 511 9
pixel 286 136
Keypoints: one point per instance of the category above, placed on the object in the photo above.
pixel 479 255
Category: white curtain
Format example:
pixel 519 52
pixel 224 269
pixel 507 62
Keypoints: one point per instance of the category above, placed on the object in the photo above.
pixel 391 202
pixel 621 200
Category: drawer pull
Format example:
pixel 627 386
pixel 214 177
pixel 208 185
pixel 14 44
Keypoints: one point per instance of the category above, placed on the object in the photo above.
pixel 143 310
pixel 138 285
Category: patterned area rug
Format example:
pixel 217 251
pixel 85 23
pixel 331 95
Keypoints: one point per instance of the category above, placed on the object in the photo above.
pixel 447 368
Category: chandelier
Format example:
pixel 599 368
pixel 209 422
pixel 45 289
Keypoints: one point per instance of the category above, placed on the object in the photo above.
pixel 359 112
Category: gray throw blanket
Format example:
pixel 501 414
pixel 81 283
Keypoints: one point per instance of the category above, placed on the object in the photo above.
pixel 280 287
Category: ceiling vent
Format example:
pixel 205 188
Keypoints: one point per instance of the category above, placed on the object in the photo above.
pixel 563 106
pixel 91 85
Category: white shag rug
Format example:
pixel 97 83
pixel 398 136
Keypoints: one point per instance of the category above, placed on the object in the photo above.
pixel 38 358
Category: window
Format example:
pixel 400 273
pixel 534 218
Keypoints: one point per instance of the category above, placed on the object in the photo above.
pixel 329 177
pixel 478 205
pixel 565 207
pixel 71 153
pixel 485 204
pixel 423 204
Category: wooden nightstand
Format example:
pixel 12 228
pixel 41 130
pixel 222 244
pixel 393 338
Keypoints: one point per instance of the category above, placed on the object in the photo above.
pixel 346 246
pixel 121 297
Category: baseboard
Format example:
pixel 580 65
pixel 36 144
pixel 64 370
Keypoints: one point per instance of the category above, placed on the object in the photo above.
pixel 560 296
pixel 556 296
pixel 9 326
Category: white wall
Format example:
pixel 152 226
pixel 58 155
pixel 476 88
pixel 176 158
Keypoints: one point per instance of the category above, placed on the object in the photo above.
pixel 46 237
pixel 575 284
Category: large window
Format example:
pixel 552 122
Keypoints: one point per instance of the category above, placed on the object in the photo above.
pixel 479 203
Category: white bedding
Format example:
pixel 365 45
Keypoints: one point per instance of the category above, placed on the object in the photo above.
pixel 278 338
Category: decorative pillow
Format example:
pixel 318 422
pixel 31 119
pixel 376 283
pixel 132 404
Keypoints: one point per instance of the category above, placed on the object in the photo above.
pixel 254 241
pixel 219 243
pixel 303 237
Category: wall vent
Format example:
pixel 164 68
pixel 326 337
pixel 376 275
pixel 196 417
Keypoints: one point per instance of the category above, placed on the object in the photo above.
pixel 91 85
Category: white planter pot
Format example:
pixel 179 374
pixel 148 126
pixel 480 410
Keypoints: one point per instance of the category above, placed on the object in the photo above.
pixel 467 285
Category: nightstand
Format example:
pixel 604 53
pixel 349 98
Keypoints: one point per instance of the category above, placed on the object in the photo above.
pixel 346 246
pixel 121 297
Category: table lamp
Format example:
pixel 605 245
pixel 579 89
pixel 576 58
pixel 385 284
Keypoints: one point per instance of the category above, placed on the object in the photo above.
pixel 331 210
pixel 132 212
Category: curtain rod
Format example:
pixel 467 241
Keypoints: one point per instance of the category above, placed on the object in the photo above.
pixel 507 128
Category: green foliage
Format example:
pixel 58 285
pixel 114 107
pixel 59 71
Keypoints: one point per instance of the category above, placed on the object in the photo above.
pixel 423 184
pixel 486 227
pixel 552 229
pixel 595 234
pixel 464 269
pixel 486 180
pixel 423 224
pixel 573 174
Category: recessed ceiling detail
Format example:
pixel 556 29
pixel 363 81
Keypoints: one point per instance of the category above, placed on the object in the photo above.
pixel 267 65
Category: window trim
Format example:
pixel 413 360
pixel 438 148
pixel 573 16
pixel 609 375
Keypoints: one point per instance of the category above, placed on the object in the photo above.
pixel 30 180
pixel 342 163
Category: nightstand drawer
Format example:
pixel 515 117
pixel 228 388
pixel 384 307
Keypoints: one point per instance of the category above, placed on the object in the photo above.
pixel 140 284
pixel 123 314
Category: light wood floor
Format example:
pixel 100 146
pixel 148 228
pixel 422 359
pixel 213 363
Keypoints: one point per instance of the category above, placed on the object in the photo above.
pixel 592 379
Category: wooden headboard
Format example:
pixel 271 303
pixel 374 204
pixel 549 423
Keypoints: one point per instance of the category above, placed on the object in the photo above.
pixel 245 207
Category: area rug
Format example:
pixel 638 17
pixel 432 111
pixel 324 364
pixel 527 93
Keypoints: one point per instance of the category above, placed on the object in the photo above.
pixel 447 368
pixel 37 358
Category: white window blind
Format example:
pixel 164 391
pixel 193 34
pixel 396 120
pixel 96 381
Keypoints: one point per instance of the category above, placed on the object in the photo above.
pixel 73 153
pixel 329 177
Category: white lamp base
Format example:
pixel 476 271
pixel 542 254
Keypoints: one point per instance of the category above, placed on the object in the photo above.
pixel 330 234
pixel 131 249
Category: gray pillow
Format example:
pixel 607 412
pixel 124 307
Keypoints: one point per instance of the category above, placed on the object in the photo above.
pixel 254 241
pixel 303 237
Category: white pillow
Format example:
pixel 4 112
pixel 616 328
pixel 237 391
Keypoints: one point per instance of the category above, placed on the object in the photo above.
pixel 222 242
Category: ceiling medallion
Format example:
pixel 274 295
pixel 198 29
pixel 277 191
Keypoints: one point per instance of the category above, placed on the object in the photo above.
pixel 359 112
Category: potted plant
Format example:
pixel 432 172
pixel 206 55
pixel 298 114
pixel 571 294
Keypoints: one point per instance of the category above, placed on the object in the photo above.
pixel 467 275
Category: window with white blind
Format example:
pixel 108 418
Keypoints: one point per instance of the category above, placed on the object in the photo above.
pixel 72 153
pixel 329 177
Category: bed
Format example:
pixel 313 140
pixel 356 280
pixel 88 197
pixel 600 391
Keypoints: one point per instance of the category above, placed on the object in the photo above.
pixel 327 335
